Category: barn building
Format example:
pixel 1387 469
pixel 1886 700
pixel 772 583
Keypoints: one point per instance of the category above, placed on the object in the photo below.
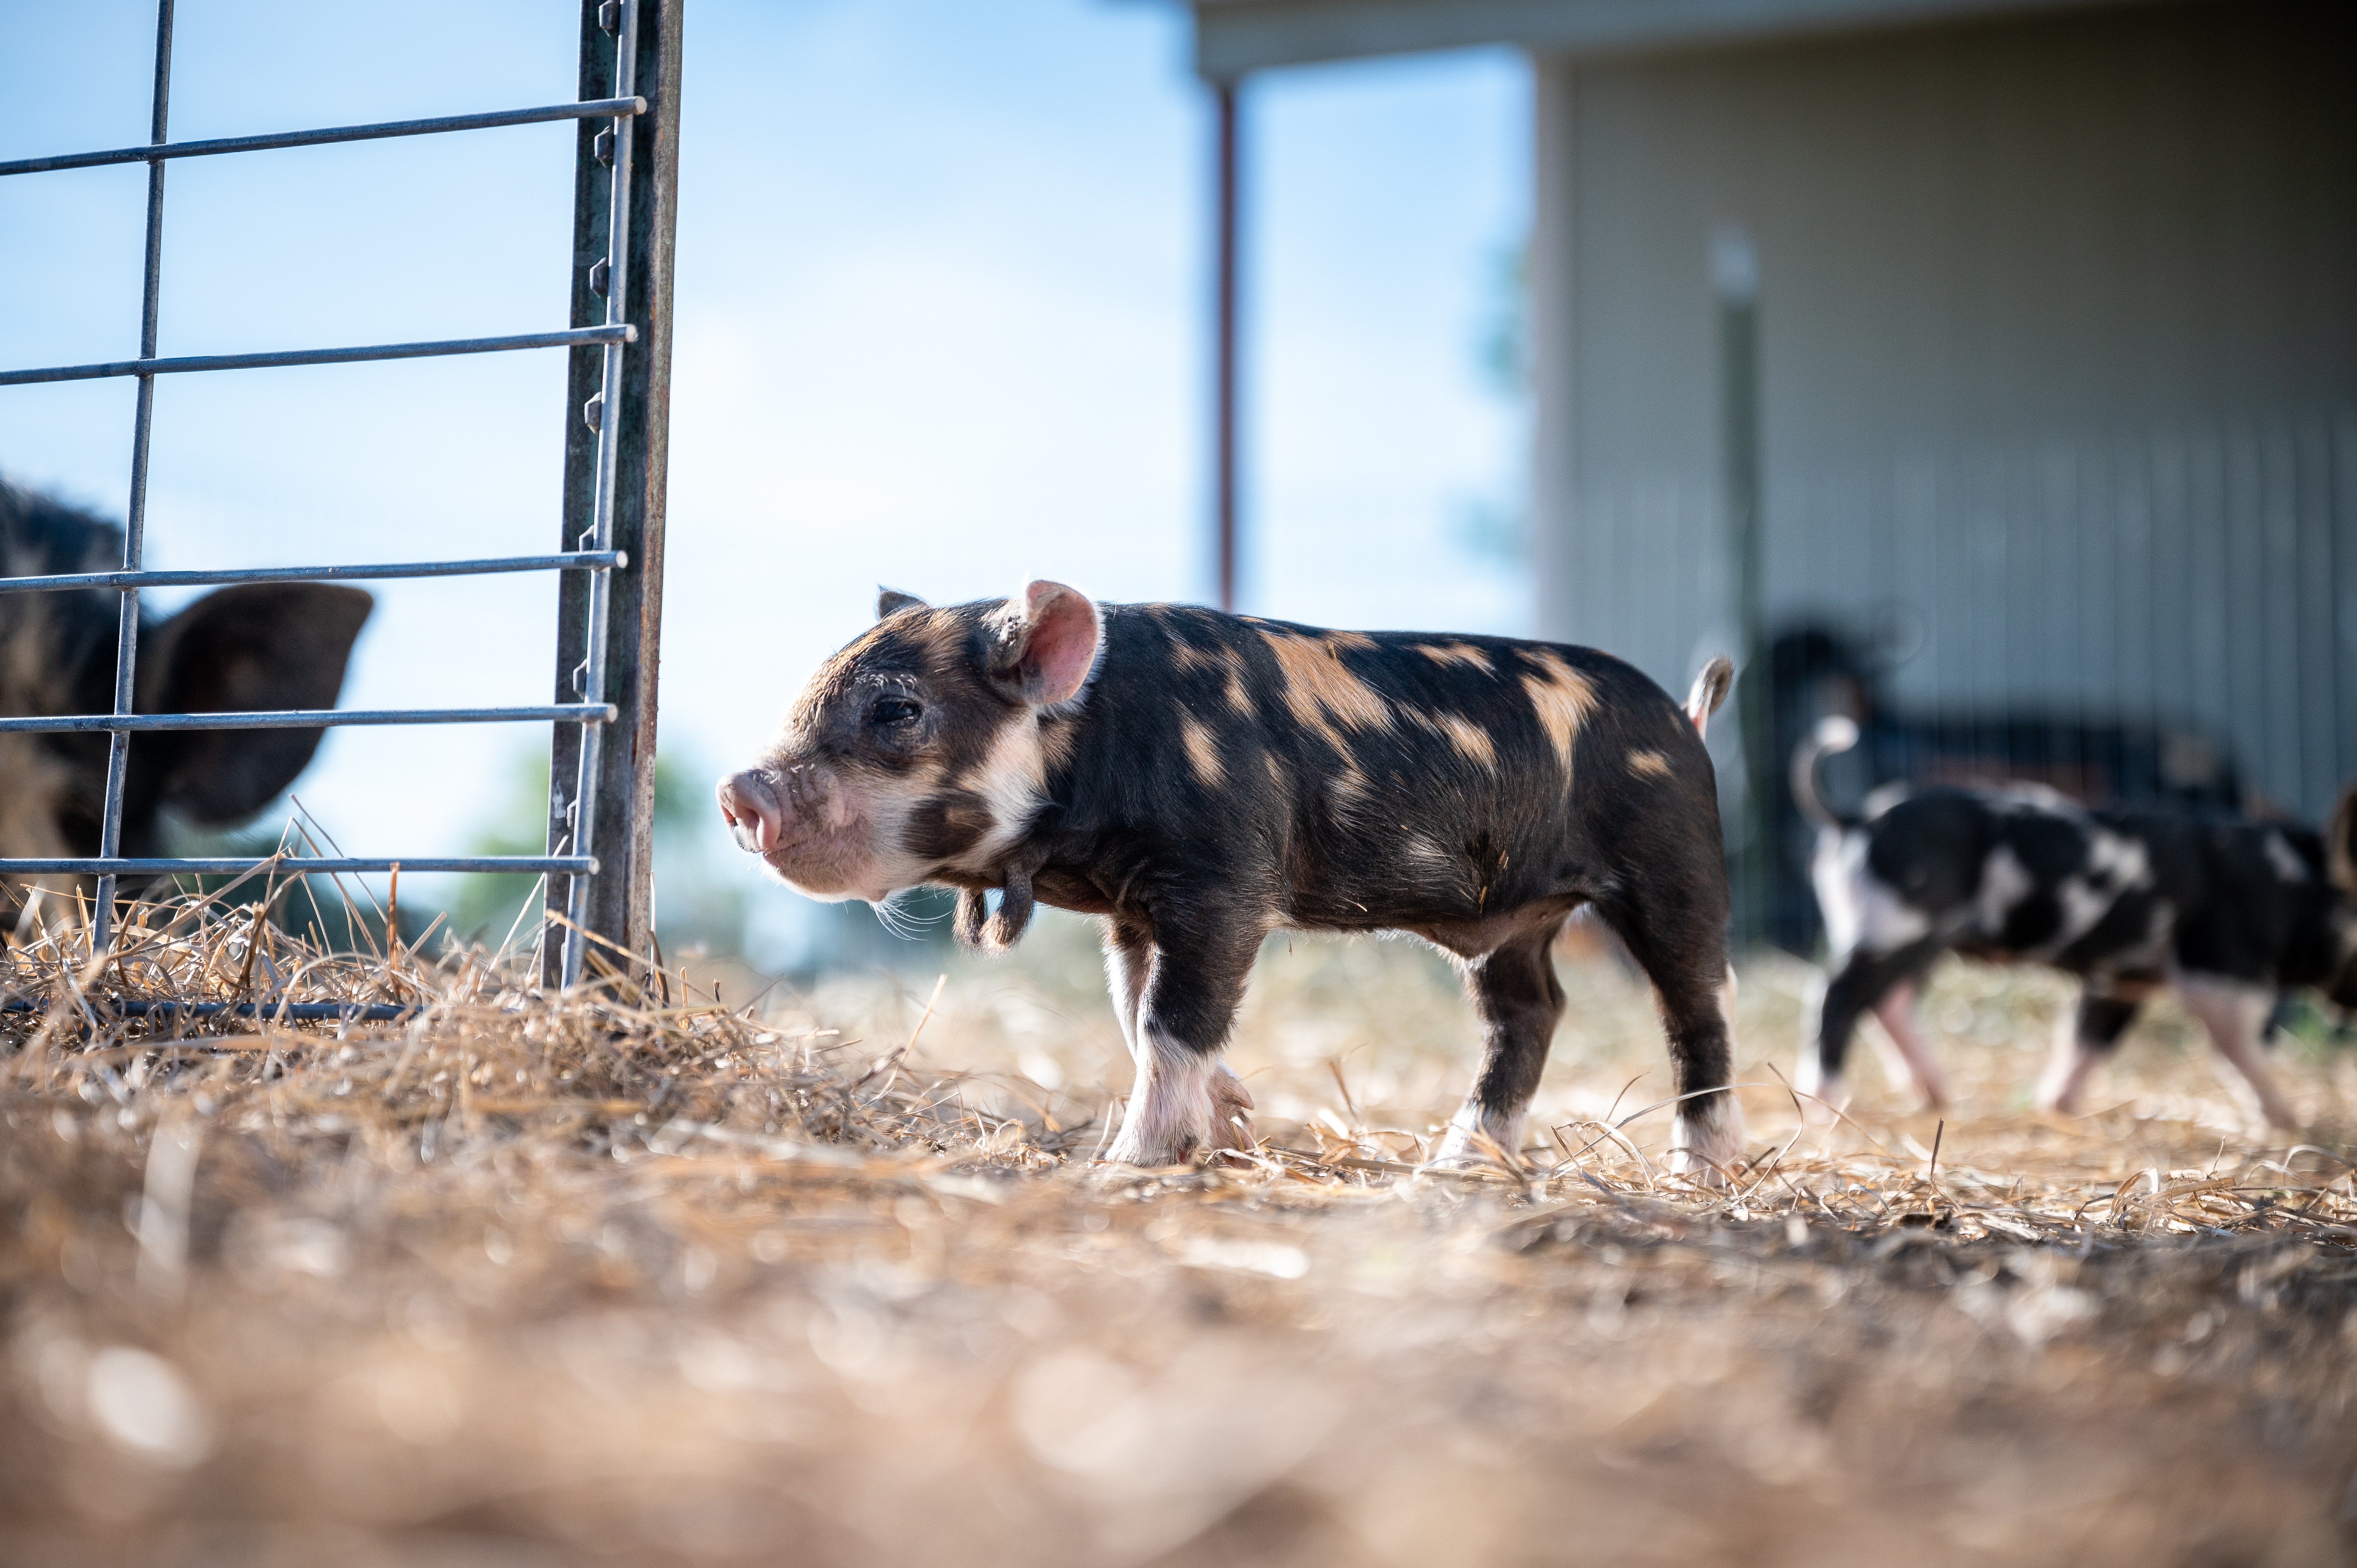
pixel 1999 356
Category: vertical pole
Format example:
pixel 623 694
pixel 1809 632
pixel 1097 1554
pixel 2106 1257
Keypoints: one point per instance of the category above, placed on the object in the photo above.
pixel 1735 274
pixel 1223 352
pixel 134 528
pixel 625 215
pixel 589 680
pixel 1551 299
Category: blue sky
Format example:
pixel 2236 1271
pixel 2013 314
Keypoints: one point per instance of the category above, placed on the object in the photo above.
pixel 942 290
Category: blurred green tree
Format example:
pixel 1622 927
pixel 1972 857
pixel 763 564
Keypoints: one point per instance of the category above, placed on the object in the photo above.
pixel 697 904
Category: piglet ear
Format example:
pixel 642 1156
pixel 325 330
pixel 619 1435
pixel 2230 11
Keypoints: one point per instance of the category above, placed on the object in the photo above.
pixel 1050 642
pixel 891 601
pixel 255 646
pixel 2340 843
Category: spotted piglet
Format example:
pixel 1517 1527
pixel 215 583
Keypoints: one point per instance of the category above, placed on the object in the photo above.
pixel 2232 916
pixel 1199 779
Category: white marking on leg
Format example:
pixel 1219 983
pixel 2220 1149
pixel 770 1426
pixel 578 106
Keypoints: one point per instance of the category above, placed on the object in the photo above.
pixel 1170 1106
pixel 2063 1086
pixel 1125 973
pixel 1819 1090
pixel 1707 1139
pixel 2236 1017
pixel 1475 1138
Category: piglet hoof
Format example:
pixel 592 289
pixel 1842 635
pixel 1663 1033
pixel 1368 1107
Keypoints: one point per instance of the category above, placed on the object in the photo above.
pixel 1469 1146
pixel 1820 1096
pixel 1694 1168
pixel 1707 1142
pixel 1159 1132
pixel 2056 1105
pixel 1133 1148
pixel 1231 1118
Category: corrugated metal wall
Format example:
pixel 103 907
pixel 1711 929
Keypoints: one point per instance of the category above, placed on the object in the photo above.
pixel 2058 347
pixel 2203 575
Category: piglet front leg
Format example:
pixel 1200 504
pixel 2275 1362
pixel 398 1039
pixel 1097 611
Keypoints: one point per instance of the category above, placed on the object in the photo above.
pixel 1185 1102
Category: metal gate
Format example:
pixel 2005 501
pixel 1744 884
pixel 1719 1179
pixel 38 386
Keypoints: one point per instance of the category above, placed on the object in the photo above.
pixel 609 565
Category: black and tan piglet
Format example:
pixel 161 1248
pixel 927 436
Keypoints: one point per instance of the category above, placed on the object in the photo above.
pixel 1200 779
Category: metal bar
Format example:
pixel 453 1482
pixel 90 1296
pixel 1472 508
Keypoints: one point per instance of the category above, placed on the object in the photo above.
pixel 232 865
pixel 570 561
pixel 619 905
pixel 147 365
pixel 602 109
pixel 294 1011
pixel 1224 345
pixel 588 780
pixel 307 718
pixel 134 528
pixel 1735 267
pixel 592 190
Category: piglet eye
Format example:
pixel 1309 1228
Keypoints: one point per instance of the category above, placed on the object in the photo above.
pixel 894 711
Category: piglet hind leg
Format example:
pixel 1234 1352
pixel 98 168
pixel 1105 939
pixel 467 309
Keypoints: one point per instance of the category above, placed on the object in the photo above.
pixel 1185 1101
pixel 1519 1001
pixel 2236 1017
pixel 1885 984
pixel 1677 937
pixel 1896 1014
pixel 2084 1038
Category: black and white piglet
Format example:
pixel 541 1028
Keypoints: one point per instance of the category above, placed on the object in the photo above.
pixel 1199 779
pixel 2230 914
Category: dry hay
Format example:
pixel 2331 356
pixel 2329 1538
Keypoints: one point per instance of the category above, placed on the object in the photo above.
pixel 528 1278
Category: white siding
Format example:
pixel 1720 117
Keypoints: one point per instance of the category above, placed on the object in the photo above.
pixel 2058 348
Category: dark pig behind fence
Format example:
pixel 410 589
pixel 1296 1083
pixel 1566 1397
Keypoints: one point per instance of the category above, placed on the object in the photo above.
pixel 239 648
pixel 1199 779
pixel 2099 759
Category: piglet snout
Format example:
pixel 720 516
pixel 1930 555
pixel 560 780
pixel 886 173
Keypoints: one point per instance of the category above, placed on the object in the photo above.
pixel 754 814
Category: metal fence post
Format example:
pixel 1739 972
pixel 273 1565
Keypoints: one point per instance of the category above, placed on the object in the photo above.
pixel 1735 267
pixel 1224 370
pixel 622 897
pixel 633 509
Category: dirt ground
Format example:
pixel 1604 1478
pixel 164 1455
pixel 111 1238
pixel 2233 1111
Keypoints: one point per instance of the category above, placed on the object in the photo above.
pixel 829 1277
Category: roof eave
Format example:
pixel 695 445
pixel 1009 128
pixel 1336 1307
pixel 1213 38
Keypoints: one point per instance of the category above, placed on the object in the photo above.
pixel 1236 38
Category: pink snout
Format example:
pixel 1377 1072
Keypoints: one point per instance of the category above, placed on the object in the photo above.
pixel 754 814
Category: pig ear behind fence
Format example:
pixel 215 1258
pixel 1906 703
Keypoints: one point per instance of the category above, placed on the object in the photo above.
pixel 1049 643
pixel 891 601
pixel 2340 845
pixel 255 646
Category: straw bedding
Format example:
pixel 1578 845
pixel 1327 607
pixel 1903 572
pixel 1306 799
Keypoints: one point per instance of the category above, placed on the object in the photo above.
pixel 828 1277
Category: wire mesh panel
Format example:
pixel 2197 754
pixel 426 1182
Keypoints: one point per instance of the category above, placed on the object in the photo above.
pixel 619 340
